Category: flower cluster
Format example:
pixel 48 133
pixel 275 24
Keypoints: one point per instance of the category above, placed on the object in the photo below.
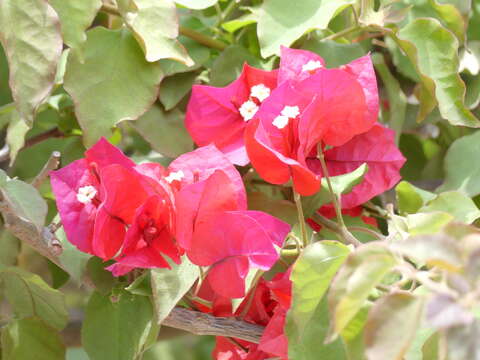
pixel 284 122
pixel 281 120
pixel 138 215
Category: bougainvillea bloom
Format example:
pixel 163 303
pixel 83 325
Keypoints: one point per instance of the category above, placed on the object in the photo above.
pixel 218 231
pixel 219 115
pixel 79 194
pixel 330 108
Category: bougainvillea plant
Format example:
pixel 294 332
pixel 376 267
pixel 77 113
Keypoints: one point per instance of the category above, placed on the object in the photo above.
pixel 285 180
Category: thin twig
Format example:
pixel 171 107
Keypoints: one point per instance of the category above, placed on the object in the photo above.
pixel 343 33
pixel 333 226
pixel 301 217
pixel 53 133
pixel 367 231
pixel 50 165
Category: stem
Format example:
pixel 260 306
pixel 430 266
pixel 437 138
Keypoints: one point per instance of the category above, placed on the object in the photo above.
pixel 50 165
pixel 192 34
pixel 230 8
pixel 110 9
pixel 202 39
pixel 336 203
pixel 251 294
pixel 301 217
pixel 342 33
pixel 367 231
pixel 347 237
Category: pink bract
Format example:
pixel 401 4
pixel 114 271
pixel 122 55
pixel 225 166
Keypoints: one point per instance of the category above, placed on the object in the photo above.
pixel 213 114
pixel 376 148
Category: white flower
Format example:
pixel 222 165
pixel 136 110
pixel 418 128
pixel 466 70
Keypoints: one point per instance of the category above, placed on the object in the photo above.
pixel 176 175
pixel 290 111
pixel 280 121
pixel 312 65
pixel 260 91
pixel 85 194
pixel 248 109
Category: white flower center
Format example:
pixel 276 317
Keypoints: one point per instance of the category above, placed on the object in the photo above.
pixel 312 65
pixel 248 110
pixel 260 91
pixel 86 194
pixel 280 121
pixel 290 111
pixel 287 113
pixel 176 175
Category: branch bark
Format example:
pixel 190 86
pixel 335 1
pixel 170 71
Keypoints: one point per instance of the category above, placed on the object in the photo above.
pixel 46 243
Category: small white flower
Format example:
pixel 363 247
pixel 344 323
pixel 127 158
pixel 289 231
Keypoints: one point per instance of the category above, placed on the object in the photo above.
pixel 260 91
pixel 176 175
pixel 248 110
pixel 290 111
pixel 86 194
pixel 312 65
pixel 280 121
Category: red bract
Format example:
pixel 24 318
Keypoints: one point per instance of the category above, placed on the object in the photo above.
pixel 264 309
pixel 219 115
pixel 218 231
pixel 376 148
pixel 79 195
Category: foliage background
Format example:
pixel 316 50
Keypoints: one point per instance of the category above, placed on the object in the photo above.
pixel 131 84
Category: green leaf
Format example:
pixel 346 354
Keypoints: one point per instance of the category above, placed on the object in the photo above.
pixel 30 296
pixel 116 329
pixel 72 260
pixel 455 203
pixel 114 83
pixel 396 97
pixel 25 202
pixel 170 285
pixel 10 246
pixel 461 166
pixel 16 131
pixel 433 250
pixel 280 208
pixel 164 131
pixel 391 326
pixel 281 22
pixel 434 51
pixel 31 338
pixel 451 17
pixel 101 278
pixel 341 184
pixel 311 276
pixel 334 53
pixel 411 198
pixel 427 223
pixel 240 22
pixel 199 54
pixel 312 346
pixel 228 66
pixel 196 4
pixel 363 270
pixel 31 38
pixel 174 88
pixel 75 18
pixel 353 335
pixel 155 25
